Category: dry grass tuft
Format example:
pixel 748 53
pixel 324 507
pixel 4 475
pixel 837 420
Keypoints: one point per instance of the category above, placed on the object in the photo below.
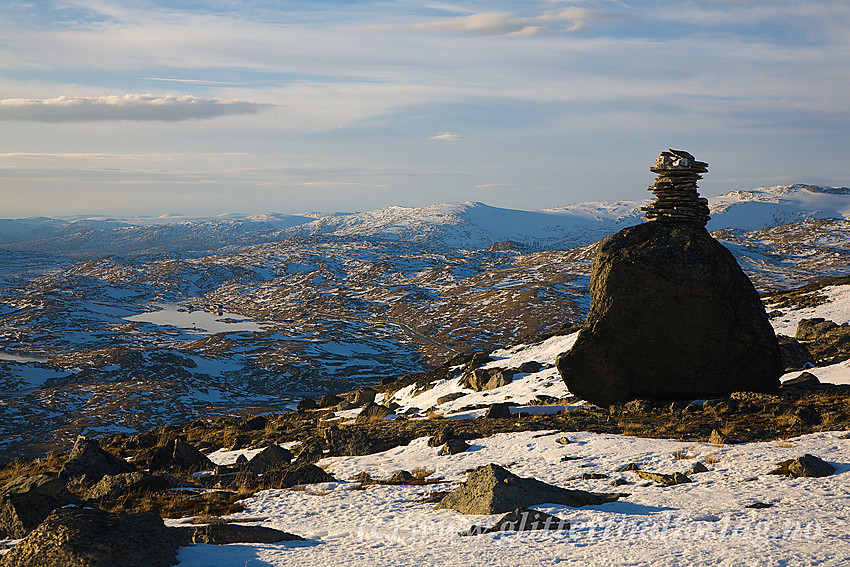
pixel 711 458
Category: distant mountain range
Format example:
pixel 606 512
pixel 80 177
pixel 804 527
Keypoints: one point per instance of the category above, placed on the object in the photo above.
pixel 469 225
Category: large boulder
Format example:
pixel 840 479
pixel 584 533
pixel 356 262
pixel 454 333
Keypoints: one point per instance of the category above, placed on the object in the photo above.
pixel 492 489
pixel 85 537
pixel 181 457
pixel 26 501
pixel 481 379
pixel 112 487
pixel 88 463
pixel 828 342
pixel 271 458
pixel 672 316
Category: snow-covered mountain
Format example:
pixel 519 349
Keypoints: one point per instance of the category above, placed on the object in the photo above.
pixel 467 226
pixel 474 226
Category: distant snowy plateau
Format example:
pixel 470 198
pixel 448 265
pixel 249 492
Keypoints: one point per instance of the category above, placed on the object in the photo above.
pixel 111 325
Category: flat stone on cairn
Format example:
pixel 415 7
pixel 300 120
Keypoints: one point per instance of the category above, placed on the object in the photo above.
pixel 675 189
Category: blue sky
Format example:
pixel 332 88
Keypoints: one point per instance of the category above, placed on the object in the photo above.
pixel 199 107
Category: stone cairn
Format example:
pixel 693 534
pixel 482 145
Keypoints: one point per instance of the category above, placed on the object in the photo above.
pixel 675 189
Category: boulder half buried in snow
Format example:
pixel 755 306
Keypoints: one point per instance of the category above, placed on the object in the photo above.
pixel 492 489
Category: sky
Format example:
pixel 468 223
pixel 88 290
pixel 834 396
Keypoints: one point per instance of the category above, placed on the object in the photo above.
pixel 201 107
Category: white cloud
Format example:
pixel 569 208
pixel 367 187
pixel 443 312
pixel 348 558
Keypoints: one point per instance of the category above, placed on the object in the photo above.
pixel 447 136
pixel 138 107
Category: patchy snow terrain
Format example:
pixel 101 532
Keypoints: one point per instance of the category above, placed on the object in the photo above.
pixel 312 304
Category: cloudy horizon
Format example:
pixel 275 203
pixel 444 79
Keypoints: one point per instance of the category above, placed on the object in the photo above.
pixel 199 107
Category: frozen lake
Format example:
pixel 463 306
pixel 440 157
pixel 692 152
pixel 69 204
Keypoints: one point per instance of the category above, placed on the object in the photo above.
pixel 18 357
pixel 203 322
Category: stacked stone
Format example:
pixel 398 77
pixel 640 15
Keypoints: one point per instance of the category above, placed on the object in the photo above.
pixel 675 189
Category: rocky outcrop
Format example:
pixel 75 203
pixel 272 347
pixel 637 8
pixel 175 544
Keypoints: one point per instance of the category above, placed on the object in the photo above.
pixel 492 489
pixel 672 316
pixel 88 463
pixel 85 537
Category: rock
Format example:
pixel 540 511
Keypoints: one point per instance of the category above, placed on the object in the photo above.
pixel 307 404
pixel 806 466
pixel 498 411
pixel 295 474
pixel 638 406
pixel 179 456
pixel 618 482
pixel 563 440
pixel 672 316
pixel 664 479
pixel 450 397
pixel 698 468
pixel 88 463
pixel 272 457
pixel 400 477
pixel 805 381
pixel 808 415
pixel 794 354
pixel 481 379
pixel 27 501
pixel 629 467
pixel 521 520
pixel 373 412
pixel 311 452
pixel 759 505
pixel 363 478
pixel 441 436
pixel 220 534
pixel 492 489
pixel 530 367
pixel 453 447
pixel 255 423
pixel 112 487
pixel 364 396
pixel 85 537
pixel 344 405
pixel 329 401
pixel 827 341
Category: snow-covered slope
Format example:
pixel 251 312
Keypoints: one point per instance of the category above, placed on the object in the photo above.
pixel 780 204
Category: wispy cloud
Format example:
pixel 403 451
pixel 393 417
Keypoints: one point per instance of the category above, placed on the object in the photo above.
pixel 447 137
pixel 137 107
pixel 506 24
